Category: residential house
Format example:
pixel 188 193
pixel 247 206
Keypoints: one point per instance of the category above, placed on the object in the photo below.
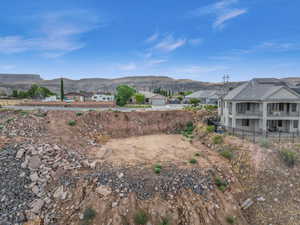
pixel 262 104
pixel 154 99
pixel 205 96
pixel 102 97
pixel 77 97
pixel 52 98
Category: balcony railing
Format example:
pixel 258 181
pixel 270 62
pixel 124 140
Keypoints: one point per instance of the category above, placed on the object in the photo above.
pixel 249 113
pixel 283 114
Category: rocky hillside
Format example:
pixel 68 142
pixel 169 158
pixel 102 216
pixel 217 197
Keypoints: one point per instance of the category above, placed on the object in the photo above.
pixel 9 82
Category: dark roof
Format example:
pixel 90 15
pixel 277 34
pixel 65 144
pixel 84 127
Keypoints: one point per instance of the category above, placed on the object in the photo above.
pixel 257 89
pixel 75 94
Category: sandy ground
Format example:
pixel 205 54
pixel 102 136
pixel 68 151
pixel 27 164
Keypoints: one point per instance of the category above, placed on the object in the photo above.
pixel 148 150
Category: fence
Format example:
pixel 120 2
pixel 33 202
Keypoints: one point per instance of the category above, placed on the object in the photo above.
pixel 258 135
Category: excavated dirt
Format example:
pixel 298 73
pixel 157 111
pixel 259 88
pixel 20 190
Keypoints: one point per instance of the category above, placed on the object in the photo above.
pixel 105 162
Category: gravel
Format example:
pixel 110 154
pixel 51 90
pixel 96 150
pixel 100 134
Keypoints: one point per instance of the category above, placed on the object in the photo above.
pixel 145 183
pixel 15 198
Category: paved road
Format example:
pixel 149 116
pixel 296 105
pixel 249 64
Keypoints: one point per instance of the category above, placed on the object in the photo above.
pixel 121 109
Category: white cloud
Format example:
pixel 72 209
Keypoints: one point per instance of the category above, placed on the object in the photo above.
pixel 271 46
pixel 128 67
pixel 196 41
pixel 221 10
pixel 152 38
pixel 156 62
pixel 58 34
pixel 169 44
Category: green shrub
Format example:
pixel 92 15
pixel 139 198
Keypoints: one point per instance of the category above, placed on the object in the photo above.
pixel 141 218
pixel 9 120
pixel 88 215
pixel 1 126
pixel 210 107
pixel 40 114
pixel 217 139
pixel 23 113
pixel 221 184
pixel 188 131
pixel 289 157
pixel 157 168
pixel 230 219
pixel 193 161
pixel 227 153
pixel 210 129
pixel 71 122
pixel 79 114
pixel 264 143
pixel 165 221
pixel 197 154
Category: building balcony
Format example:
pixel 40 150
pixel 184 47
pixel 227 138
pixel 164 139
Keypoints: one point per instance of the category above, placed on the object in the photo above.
pixel 249 113
pixel 283 114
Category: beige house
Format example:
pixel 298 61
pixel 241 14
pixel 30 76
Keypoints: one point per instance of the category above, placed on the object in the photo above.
pixel 154 99
pixel 264 104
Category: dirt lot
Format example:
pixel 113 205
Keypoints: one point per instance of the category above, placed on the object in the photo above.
pixel 102 169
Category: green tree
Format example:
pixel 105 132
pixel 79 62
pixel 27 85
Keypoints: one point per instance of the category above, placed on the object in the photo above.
pixel 33 91
pixel 62 92
pixel 15 93
pixel 194 101
pixel 139 98
pixel 124 93
pixel 23 94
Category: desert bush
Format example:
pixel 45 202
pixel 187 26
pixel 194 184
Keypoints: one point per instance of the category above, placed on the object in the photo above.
pixel 40 114
pixel 264 143
pixel 188 131
pixel 210 129
pixel 227 153
pixel 289 157
pixel 157 168
pixel 79 114
pixel 9 120
pixel 221 184
pixel 210 107
pixel 23 113
pixel 140 218
pixel 230 219
pixel 1 126
pixel 193 161
pixel 71 122
pixel 88 215
pixel 198 154
pixel 217 139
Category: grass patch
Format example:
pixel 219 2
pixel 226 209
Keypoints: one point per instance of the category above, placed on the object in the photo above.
pixel 210 129
pixel 141 218
pixel 221 184
pixel 88 216
pixel 217 139
pixel 137 106
pixel 79 114
pixel 289 157
pixel 230 219
pixel 193 161
pixel 72 123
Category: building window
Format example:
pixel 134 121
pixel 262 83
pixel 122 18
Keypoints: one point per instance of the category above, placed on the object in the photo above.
pixel 281 107
pixel 294 107
pixel 279 123
pixel 295 122
pixel 245 123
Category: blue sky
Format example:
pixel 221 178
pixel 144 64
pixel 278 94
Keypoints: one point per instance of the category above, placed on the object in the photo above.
pixel 192 39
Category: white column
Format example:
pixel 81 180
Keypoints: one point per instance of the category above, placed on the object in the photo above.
pixel 264 120
pixel 234 114
pixel 226 114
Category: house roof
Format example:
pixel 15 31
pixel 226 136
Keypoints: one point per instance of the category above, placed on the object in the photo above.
pixel 258 89
pixel 147 94
pixel 204 94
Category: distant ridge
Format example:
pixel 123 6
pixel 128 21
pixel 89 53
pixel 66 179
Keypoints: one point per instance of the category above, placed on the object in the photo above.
pixel 9 82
